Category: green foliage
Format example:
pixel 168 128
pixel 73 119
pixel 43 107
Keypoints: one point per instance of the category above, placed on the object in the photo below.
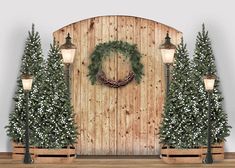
pixel 178 128
pixel 58 128
pixel 203 59
pixel 32 63
pixel 185 118
pixel 51 121
pixel 103 50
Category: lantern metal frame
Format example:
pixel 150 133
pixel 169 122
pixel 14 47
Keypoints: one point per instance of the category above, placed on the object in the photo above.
pixel 209 76
pixel 27 156
pixel 68 45
pixel 167 45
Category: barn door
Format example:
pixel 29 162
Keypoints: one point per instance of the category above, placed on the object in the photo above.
pixel 118 121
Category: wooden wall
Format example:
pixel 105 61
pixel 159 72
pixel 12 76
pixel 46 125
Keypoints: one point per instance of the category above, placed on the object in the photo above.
pixel 123 121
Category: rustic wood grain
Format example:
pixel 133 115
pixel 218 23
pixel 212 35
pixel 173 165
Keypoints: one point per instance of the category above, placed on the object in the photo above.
pixel 91 92
pixel 41 155
pixel 84 89
pixel 112 91
pixel 143 88
pixel 98 113
pixel 122 121
pixel 117 163
pixel 105 93
pixel 129 90
pixel 150 89
pixel 136 95
pixel 196 155
pixel 121 102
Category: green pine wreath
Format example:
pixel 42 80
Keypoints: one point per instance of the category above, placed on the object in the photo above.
pixel 103 50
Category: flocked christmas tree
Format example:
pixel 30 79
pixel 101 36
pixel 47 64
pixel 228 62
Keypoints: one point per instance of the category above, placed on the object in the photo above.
pixel 178 127
pixel 58 128
pixel 32 63
pixel 203 59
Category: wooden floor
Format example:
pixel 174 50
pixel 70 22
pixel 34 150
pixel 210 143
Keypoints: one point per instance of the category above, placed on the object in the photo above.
pixel 115 163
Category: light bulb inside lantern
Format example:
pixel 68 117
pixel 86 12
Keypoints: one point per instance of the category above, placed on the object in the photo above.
pixel 27 81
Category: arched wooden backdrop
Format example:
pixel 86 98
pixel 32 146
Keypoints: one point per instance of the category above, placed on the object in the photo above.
pixel 123 121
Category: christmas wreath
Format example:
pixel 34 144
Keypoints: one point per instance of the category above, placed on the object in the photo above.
pixel 103 50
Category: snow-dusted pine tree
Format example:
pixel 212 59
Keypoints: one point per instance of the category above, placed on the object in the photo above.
pixel 58 128
pixel 32 63
pixel 178 127
pixel 203 60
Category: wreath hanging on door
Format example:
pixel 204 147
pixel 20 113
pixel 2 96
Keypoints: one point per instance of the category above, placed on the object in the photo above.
pixel 103 50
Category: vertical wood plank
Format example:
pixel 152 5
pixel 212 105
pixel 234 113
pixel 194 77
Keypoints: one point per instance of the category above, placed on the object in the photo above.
pixel 113 91
pixel 77 83
pixel 129 91
pixel 159 78
pixel 150 87
pixel 143 108
pixel 136 94
pixel 84 83
pixel 105 91
pixel 91 92
pixel 98 114
pixel 121 148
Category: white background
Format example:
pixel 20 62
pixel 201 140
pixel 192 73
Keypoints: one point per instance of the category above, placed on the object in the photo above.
pixel 187 16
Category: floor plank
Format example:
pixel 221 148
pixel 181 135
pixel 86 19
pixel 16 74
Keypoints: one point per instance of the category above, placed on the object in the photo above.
pixel 115 163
